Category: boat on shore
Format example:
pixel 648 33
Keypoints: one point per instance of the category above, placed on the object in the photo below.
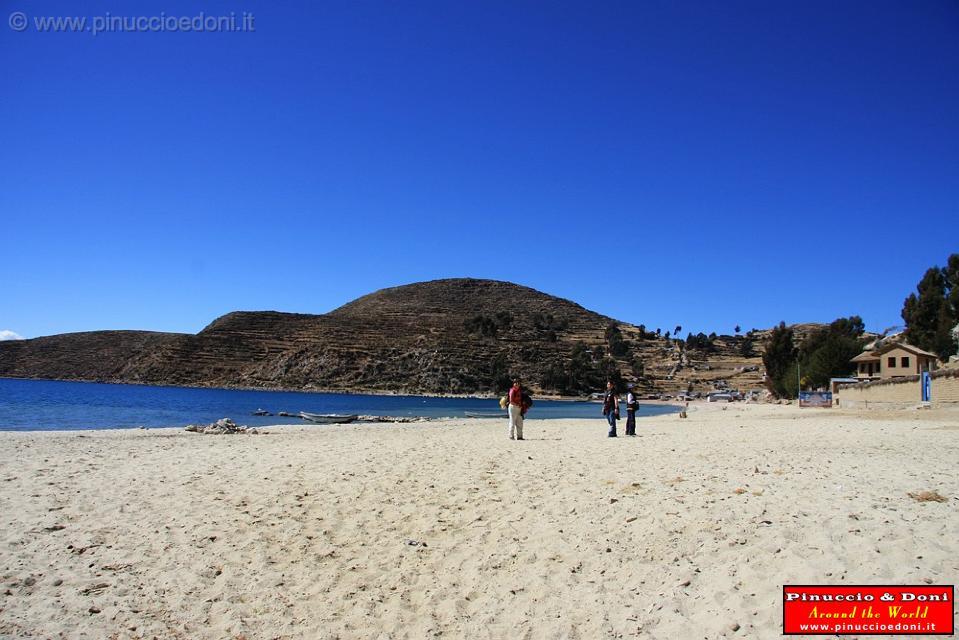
pixel 328 418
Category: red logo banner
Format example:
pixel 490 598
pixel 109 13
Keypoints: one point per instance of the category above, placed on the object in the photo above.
pixel 868 610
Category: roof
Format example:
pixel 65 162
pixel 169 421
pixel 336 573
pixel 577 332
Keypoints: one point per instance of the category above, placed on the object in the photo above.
pixel 905 346
pixel 866 356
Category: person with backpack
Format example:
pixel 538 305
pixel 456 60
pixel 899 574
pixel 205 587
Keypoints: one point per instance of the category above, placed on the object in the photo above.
pixel 632 405
pixel 611 408
pixel 517 409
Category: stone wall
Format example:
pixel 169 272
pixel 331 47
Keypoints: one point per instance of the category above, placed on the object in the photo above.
pixel 900 393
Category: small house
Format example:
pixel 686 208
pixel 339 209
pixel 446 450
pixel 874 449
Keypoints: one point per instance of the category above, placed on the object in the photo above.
pixel 893 360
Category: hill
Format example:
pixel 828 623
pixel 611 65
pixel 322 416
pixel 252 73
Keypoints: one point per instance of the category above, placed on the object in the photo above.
pixel 453 336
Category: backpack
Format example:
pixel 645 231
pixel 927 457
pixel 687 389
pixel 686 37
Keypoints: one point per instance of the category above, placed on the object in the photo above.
pixel 527 400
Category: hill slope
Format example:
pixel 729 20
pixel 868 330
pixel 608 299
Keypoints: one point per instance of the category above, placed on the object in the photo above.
pixel 443 336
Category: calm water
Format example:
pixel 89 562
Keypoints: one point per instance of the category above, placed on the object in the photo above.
pixel 50 405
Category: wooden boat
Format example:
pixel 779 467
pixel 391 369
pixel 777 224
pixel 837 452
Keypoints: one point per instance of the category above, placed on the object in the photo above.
pixel 474 414
pixel 328 418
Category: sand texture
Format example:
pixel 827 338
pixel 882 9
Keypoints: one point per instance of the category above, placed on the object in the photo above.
pixel 448 529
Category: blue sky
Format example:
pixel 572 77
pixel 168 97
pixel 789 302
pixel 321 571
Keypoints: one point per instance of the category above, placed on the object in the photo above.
pixel 698 163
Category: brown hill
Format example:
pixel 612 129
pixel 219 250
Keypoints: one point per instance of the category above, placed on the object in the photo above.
pixel 443 336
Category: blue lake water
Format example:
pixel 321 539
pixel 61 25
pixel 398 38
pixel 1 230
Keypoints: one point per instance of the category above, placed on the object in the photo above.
pixel 51 405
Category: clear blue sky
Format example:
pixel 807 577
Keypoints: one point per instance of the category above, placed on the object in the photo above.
pixel 698 163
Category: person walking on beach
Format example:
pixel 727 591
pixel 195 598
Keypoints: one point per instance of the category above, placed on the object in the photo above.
pixel 632 404
pixel 516 411
pixel 611 408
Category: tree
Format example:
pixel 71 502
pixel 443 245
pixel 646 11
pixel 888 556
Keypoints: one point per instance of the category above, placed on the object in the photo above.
pixel 556 377
pixel 830 360
pixel 824 354
pixel 780 354
pixel 737 329
pixel 701 342
pixel 931 313
pixel 582 374
pixel 610 371
pixel 659 331
pixel 667 335
pixel 580 367
pixel 851 327
pixel 618 347
pixel 678 328
pixel 614 339
pixel 746 347
pixel 481 324
pixel 827 353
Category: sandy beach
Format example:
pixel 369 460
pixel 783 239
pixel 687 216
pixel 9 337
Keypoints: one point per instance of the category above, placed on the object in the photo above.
pixel 448 529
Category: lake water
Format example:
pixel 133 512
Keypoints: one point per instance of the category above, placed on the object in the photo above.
pixel 51 405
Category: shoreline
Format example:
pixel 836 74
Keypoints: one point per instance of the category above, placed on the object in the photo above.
pixel 474 396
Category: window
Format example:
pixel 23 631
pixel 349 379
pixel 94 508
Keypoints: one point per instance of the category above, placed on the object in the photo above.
pixel 891 362
pixel 905 362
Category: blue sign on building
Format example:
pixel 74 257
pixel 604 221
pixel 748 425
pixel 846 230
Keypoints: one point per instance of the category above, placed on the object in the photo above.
pixel 926 387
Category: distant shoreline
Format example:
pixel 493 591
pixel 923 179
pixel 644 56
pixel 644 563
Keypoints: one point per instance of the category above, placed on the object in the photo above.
pixel 351 392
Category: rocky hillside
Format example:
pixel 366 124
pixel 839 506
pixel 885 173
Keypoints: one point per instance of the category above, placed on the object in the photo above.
pixel 444 336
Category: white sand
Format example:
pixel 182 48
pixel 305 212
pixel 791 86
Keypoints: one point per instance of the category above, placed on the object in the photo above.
pixel 304 533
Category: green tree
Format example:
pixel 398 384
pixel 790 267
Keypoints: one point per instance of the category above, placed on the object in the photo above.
pixel 826 353
pixel 614 339
pixel 701 342
pixel 831 359
pixel 609 370
pixel 582 373
pixel 780 354
pixel 556 377
pixel 933 310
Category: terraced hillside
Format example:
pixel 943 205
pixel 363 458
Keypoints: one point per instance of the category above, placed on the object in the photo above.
pixel 443 336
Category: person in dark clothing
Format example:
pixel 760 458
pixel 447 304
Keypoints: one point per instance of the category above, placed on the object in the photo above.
pixel 611 408
pixel 632 405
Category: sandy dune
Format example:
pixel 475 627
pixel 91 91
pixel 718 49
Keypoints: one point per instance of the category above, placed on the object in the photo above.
pixel 449 529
